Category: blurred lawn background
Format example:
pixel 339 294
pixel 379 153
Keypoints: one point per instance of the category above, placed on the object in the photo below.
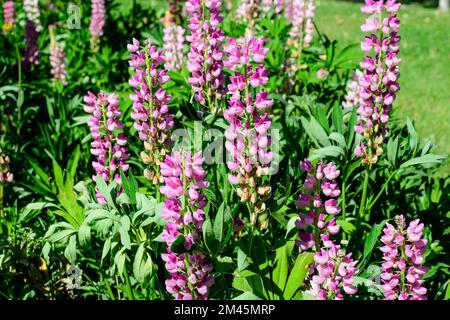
pixel 425 69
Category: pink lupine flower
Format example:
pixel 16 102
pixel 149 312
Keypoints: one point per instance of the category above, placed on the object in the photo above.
pixel 173 47
pixel 151 116
pixel 32 46
pixel 108 146
pixel 31 8
pixel 403 251
pixel 183 181
pixel 205 56
pixel 9 16
pixel 300 13
pixel 98 19
pixel 379 82
pixel 317 200
pixel 251 10
pixel 334 272
pixel 57 59
pixel 5 174
pixel 247 137
pixel 352 97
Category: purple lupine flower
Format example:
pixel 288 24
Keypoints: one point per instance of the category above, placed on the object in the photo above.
pixel 173 47
pixel 352 97
pixel 98 19
pixel 151 116
pixel 31 8
pixel 334 272
pixel 248 114
pixel 5 174
pixel 403 268
pixel 317 202
pixel 32 46
pixel 183 181
pixel 108 146
pixel 205 56
pixel 57 59
pixel 379 82
pixel 9 16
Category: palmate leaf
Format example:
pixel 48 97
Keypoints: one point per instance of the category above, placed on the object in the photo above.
pixel 425 161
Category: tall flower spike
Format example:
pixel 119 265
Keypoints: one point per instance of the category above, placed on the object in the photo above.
pixel 249 117
pixel 150 105
pixel 33 14
pixel 380 74
pixel 32 46
pixel 318 204
pixel 98 19
pixel 9 16
pixel 403 251
pixel 205 57
pixel 173 37
pixel 5 174
pixel 183 180
pixel 108 146
pixel 57 59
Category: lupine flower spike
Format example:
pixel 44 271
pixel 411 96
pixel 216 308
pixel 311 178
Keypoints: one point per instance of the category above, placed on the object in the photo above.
pixel 5 174
pixel 98 19
pixel 32 46
pixel 251 10
pixel 33 14
pixel 403 268
pixel 108 146
pixel 205 56
pixel 318 204
pixel 183 174
pixel 9 16
pixel 352 98
pixel 173 38
pixel 249 117
pixel 150 106
pixel 380 75
pixel 57 59
pixel 300 14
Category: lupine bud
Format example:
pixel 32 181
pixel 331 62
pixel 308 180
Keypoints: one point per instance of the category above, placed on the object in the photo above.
pixel 98 19
pixel 379 81
pixel 183 179
pixel 205 56
pixel 403 251
pixel 247 137
pixel 108 146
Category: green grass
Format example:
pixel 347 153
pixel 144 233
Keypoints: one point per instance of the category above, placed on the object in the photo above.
pixel 425 69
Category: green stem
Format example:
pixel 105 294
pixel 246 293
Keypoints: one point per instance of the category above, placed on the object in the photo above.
pixel 108 288
pixel 128 284
pixel 381 191
pixel 362 208
pixel 19 88
pixel 1 200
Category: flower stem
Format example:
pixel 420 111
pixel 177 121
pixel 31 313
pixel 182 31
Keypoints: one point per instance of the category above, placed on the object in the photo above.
pixel 128 284
pixel 362 208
